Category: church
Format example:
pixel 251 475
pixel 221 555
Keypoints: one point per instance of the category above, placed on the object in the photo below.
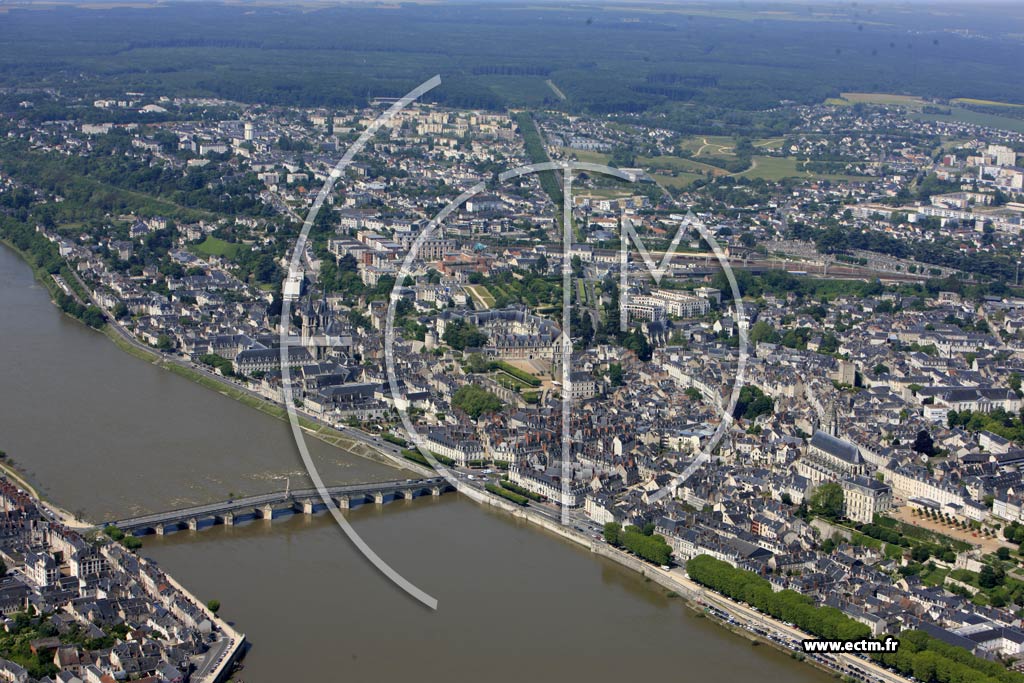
pixel 322 333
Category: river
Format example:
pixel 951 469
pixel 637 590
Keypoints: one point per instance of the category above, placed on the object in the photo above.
pixel 103 433
pixel 109 435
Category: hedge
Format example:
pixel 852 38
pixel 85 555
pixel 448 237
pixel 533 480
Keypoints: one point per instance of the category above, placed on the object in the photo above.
pixel 521 375
pixel 516 488
pixel 508 495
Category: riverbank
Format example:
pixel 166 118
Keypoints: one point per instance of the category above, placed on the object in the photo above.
pixel 65 517
pixel 125 341
pixel 695 595
pixel 116 478
pixel 247 397
pixel 41 276
pixel 231 655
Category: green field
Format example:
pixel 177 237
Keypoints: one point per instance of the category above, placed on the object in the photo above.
pixel 876 98
pixel 961 115
pixel 708 145
pixel 678 165
pixel 721 145
pixel 769 143
pixel 214 246
pixel 680 173
pixel 587 157
pixel 679 181
pixel 617 191
pixel 771 168
pixel 481 296
pixel 956 115
pixel 671 171
pixel 985 103
pixel 777 168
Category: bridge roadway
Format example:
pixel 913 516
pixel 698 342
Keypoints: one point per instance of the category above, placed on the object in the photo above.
pixel 265 505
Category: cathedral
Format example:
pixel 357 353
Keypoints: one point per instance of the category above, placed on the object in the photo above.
pixel 322 333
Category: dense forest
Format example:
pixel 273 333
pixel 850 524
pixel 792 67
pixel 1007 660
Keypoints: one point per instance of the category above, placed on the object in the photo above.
pixel 676 63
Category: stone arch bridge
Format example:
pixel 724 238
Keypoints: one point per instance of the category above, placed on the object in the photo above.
pixel 268 505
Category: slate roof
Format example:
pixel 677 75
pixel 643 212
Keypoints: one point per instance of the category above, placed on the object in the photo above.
pixel 836 447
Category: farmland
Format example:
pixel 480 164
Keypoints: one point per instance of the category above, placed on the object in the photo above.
pixel 848 98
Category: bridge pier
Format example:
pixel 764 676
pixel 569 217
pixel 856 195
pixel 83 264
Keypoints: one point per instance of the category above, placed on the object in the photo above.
pixel 264 506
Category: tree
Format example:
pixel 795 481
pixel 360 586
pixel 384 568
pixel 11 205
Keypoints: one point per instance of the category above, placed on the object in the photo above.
pixel 474 400
pixel 93 317
pixel 611 532
pixel 828 501
pixel 615 374
pixel 762 332
pixel 622 157
pixel 987 577
pixel 460 335
pixel 924 443
pixel 752 403
pixel 213 606
pixel 476 363
pixel 577 266
pixel 636 342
